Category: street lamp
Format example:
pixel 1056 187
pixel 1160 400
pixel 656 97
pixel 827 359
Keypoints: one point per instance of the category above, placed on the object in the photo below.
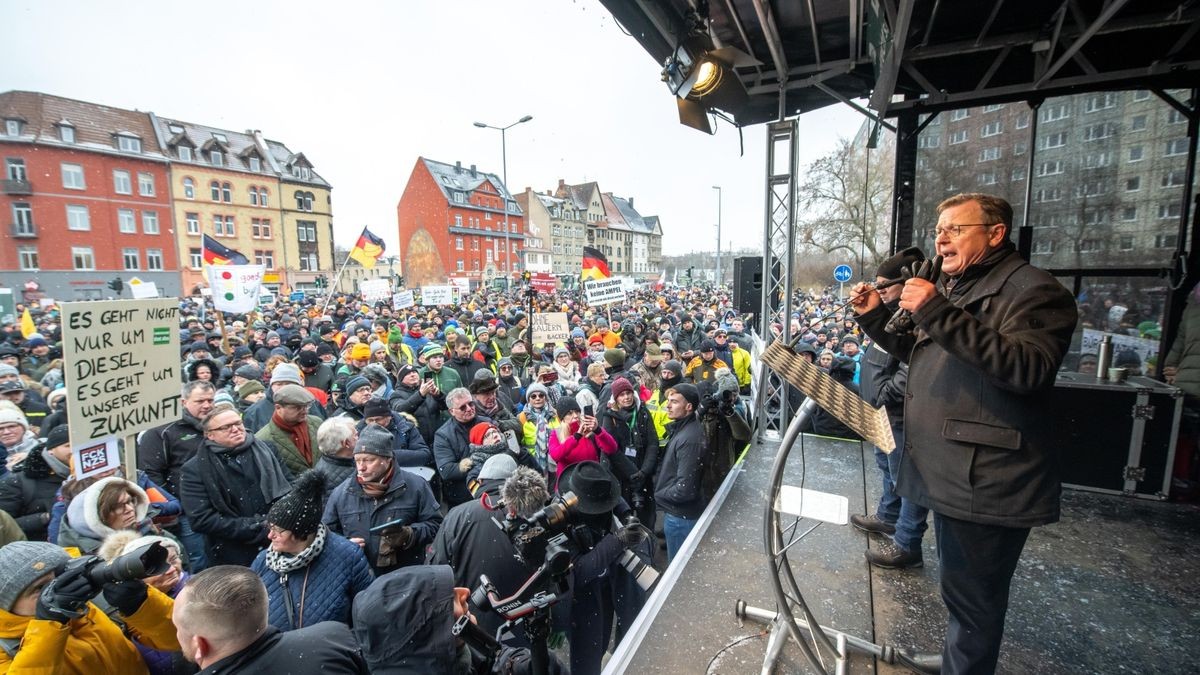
pixel 718 189
pixel 504 170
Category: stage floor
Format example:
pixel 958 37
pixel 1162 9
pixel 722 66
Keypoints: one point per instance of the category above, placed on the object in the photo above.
pixel 1110 588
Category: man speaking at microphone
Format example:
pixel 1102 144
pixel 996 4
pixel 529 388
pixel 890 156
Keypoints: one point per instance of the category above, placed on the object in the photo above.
pixel 988 335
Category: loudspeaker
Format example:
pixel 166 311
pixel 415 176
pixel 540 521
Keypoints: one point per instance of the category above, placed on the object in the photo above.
pixel 748 284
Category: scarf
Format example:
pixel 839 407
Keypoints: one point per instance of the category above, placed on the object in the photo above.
pixel 377 489
pixel 541 419
pixel 299 435
pixel 568 374
pixel 285 563
pixel 56 466
pixel 272 481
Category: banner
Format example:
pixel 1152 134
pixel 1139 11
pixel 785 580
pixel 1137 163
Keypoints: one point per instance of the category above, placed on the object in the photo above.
pixel 436 295
pixel 550 327
pixel 95 457
pixel 121 366
pixel 543 282
pixel 402 300
pixel 235 288
pixel 604 292
pixel 374 290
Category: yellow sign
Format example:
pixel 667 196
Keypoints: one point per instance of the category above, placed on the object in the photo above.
pixel 134 281
pixel 271 278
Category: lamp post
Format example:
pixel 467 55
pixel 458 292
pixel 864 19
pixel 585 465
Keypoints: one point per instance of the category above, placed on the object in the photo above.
pixel 504 171
pixel 718 278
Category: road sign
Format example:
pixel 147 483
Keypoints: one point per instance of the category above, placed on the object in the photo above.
pixel 842 273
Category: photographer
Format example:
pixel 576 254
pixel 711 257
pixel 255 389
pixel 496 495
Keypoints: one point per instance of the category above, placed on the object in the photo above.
pixel 726 432
pixel 48 623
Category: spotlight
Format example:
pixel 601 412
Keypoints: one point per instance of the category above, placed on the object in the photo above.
pixel 703 78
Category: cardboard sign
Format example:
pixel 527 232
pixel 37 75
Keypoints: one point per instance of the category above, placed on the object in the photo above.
pixel 237 288
pixel 403 299
pixel 96 457
pixel 121 365
pixel 437 295
pixel 374 290
pixel 550 327
pixel 603 292
pixel 463 284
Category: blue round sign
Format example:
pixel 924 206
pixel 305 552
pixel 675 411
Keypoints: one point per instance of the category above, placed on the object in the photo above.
pixel 842 273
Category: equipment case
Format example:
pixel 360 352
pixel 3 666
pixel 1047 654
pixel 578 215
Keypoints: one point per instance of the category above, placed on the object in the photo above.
pixel 1117 437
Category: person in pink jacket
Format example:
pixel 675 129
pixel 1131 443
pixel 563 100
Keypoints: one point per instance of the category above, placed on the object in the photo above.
pixel 578 438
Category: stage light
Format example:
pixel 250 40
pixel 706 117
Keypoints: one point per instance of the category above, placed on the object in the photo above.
pixel 703 79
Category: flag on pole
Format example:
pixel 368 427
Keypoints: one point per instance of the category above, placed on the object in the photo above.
pixel 367 249
pixel 235 288
pixel 216 253
pixel 27 327
pixel 662 281
pixel 595 265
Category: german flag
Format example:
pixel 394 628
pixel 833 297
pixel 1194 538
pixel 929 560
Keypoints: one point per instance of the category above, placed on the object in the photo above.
pixel 367 249
pixel 595 265
pixel 216 253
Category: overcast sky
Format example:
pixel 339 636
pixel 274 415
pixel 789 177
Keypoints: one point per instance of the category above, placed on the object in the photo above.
pixel 363 89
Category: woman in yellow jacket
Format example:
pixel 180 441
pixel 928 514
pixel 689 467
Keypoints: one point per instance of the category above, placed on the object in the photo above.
pixel 53 628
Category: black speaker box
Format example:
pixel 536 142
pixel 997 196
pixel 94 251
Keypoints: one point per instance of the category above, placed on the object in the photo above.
pixel 748 284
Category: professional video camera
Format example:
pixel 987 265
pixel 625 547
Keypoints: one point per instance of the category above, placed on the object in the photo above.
pixel 145 561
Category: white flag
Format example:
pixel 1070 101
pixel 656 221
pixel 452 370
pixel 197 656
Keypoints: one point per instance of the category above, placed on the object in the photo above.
pixel 235 288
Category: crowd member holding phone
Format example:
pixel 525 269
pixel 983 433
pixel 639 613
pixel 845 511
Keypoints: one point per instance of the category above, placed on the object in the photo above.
pixel 580 438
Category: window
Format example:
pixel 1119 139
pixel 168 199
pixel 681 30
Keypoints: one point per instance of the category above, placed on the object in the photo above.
pixel 960 114
pixel 82 258
pixel 960 136
pixel 149 222
pixel 1022 120
pixel 1019 148
pixel 1088 245
pixel 987 178
pixel 16 169
pixel 189 188
pixel 1050 195
pixel 1133 184
pixel 1173 178
pixel 121 182
pixel 1141 95
pixel 215 190
pixel 1097 160
pixel 27 258
pixel 475 264
pixel 474 244
pixel 1129 213
pixel 1137 123
pixel 304 201
pixel 989 154
pixel 993 107
pixel 224 225
pixel 1168 210
pixel 459 198
pixel 72 177
pixel 125 221
pixel 193 223
pixel 1050 168
pixel 458 243
pixel 1095 216
pixel 78 218
pixel 195 258
pixel 308 262
pixel 1125 242
pixel 253 197
pixel 458 265
pixel 265 258
pixel 260 228
pixel 307 230
pixel 184 152
pixel 992 129
pixel 1177 146
pixel 1044 246
pixel 23 219
pixel 1097 132
pixel 1100 102
pixel 488 253
pixel 12 127
pixel 1056 112
pixel 458 220
pixel 1136 153
pixel 216 157
pixel 227 193
pixel 1175 117
pixel 1018 173
pixel 929 141
pixel 1165 240
pixel 254 163
pixel 1057 140
pixel 154 259
pixel 66 134
pixel 129 144
pixel 129 258
pixel 146 184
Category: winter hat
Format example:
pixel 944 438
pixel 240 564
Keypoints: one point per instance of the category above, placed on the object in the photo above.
pixel 377 346
pixel 355 383
pixel 300 510
pixel 241 352
pixel 620 386
pixel 578 332
pixel 59 435
pixel 653 350
pixel 483 382
pixel 689 392
pixel 395 334
pixel 35 341
pixel 674 366
pixel 249 387
pixel 11 414
pixel 890 268
pixel 272 334
pixel 536 388
pixel 287 372
pixel 223 396
pixel 726 381
pixel 293 394
pixel 482 330
pixel 850 338
pixel 374 440
pixel 24 562
pixel 667 347
pixel 506 361
pixel 360 351
pixel 707 345
pixel 404 371
pixel 498 467
pixel 8 371
pixel 376 407
pixel 479 431
pixel 430 350
pixel 561 350
pixel 566 405
pixel 615 358
pixel 250 371
pixel 597 338
pixel 375 373
pixel 308 359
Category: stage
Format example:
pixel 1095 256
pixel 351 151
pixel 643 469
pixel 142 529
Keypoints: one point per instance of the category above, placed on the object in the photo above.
pixel 1109 588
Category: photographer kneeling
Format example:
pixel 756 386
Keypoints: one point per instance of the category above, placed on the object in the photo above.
pixel 48 624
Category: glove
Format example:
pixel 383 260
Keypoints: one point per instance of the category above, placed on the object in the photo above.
pixel 726 408
pixel 466 464
pixel 901 322
pixel 126 596
pixel 637 479
pixel 65 597
pixel 631 534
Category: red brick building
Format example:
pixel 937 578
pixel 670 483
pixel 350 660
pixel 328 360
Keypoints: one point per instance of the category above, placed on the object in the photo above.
pixel 451 222
pixel 87 196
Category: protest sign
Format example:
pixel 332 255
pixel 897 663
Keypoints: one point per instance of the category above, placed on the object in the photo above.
pixel 550 327
pixel 235 288
pixel 122 366
pixel 603 292
pixel 402 299
pixel 8 306
pixel 95 457
pixel 543 282
pixel 146 289
pixel 463 284
pixel 436 295
pixel 374 290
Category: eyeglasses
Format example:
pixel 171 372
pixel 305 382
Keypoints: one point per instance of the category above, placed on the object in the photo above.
pixel 466 407
pixel 227 427
pixel 536 396
pixel 955 231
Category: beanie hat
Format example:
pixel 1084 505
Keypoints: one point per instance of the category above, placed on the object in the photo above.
pixel 8 371
pixel 707 345
pixel 621 386
pixel 615 358
pixel 431 350
pixel 308 359
pixel 375 373
pixel 478 432
pixel 377 346
pixel 249 387
pixel 726 381
pixel 24 562
pixel 480 331
pixel 653 350
pixel 292 394
pixel 578 332
pixel 674 366
pixel 286 372
pixel 404 371
pixel 566 405
pixel 395 334
pixel 505 361
pixel 11 414
pixel 689 392
pixel 374 440
pixel 35 341
pixel 890 268
pixel 850 338
pixel 360 351
pixel 57 436
pixel 376 407
pixel 223 396
pixel 355 383
pixel 300 510
pixel 498 467
pixel 250 371
pixel 536 388
pixel 272 334
pixel 561 350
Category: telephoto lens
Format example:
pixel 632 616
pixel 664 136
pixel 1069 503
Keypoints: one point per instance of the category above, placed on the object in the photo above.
pixel 144 561
pixel 643 574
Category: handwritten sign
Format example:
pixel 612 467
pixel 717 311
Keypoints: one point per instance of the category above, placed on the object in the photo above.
pixel 603 292
pixel 543 282
pixel 96 457
pixel 122 366
pixel 402 300
pixel 374 290
pixel 550 327
pixel 237 288
pixel 436 295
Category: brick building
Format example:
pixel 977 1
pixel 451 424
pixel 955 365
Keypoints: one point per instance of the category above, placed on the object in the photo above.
pixel 451 222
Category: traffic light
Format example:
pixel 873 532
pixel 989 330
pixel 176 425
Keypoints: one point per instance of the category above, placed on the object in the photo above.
pixel 117 285
pixel 400 281
pixel 691 273
pixel 320 281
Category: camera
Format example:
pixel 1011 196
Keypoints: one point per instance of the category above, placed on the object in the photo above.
pixel 145 561
pixel 534 537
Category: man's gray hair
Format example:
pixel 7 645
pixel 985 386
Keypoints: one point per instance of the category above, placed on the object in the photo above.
pixel 226 604
pixel 524 492
pixel 332 433
pixel 457 396
pixel 191 387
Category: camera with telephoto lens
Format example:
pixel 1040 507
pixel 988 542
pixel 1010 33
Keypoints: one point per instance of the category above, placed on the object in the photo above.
pixel 642 572
pixel 531 536
pixel 145 561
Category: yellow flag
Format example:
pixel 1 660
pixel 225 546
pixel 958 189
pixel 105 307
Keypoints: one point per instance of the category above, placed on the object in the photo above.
pixel 27 327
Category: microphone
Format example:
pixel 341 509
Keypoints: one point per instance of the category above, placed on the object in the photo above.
pixel 902 322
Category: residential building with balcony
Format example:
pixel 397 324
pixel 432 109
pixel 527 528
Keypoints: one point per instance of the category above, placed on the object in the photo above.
pixel 543 219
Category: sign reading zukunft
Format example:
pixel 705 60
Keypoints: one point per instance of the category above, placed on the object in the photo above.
pixel 122 366
pixel 550 327
pixel 603 292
